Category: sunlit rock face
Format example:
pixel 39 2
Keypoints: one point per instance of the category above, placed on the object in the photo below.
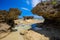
pixel 50 12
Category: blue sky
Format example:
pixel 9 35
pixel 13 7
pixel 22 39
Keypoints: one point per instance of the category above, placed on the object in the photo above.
pixel 24 5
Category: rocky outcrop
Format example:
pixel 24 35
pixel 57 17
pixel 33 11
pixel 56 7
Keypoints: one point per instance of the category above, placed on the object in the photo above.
pixel 31 35
pixel 13 13
pixel 28 17
pixel 50 12
pixel 8 17
pixel 3 14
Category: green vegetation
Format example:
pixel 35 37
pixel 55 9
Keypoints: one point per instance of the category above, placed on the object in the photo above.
pixel 54 2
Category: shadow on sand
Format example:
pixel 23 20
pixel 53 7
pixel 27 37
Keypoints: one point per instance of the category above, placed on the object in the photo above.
pixel 52 33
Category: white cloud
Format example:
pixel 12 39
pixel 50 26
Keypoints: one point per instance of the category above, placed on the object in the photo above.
pixel 25 9
pixel 27 1
pixel 35 2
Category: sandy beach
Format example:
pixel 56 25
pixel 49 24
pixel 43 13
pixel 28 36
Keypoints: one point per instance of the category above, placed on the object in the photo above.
pixel 23 33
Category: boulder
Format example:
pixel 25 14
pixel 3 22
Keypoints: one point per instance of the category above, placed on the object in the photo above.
pixel 50 12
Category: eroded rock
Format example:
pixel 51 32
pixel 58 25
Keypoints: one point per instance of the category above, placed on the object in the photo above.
pixel 50 12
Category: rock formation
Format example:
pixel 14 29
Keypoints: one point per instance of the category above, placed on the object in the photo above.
pixel 3 14
pixel 50 12
pixel 8 17
pixel 28 17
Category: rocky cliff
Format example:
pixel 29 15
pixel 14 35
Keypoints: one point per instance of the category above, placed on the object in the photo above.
pixel 50 12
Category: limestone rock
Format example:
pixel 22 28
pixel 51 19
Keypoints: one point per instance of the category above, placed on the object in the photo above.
pixel 50 12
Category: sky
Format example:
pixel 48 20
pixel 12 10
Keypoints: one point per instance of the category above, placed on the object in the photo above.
pixel 24 5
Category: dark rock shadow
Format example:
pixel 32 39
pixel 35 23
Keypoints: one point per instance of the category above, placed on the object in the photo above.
pixel 52 33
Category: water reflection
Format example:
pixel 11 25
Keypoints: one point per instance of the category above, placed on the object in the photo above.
pixel 34 27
